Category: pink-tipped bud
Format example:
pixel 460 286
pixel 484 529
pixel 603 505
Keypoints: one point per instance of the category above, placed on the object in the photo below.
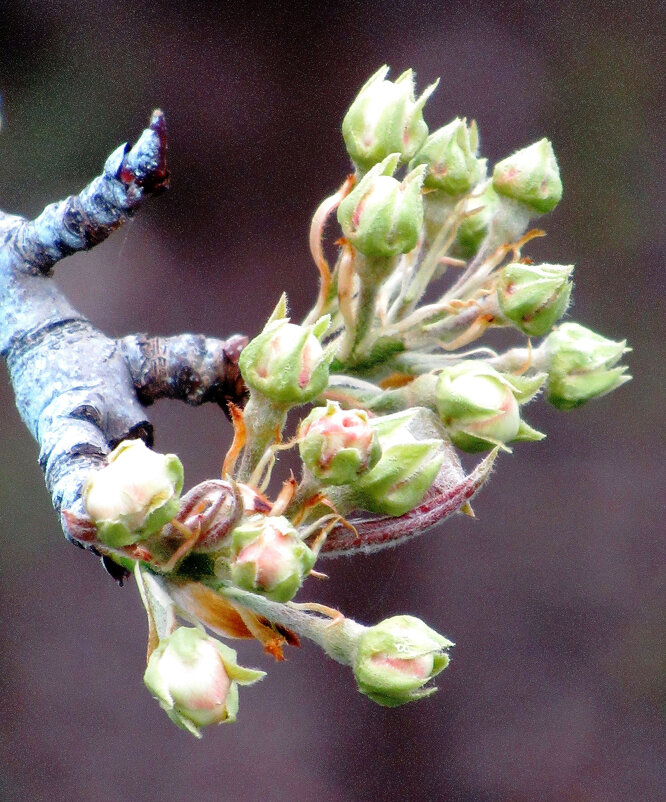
pixel 338 445
pixel 267 557
pixel 194 678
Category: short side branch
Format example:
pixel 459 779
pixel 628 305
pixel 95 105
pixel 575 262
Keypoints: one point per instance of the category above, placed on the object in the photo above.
pixel 81 221
pixel 190 368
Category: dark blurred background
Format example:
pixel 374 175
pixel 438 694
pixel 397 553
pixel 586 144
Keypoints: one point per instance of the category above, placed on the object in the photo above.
pixel 554 594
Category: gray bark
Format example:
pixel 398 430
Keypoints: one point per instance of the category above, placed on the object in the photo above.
pixel 78 391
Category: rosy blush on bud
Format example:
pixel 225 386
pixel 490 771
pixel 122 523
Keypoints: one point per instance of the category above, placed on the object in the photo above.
pixel 419 668
pixel 338 445
pixel 311 356
pixel 341 431
pixel 272 557
pixel 267 556
pixel 195 679
pixel 397 658
pixel 198 683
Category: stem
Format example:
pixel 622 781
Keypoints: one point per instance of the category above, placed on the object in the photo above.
pixel 509 222
pixel 316 235
pixel 517 358
pixel 338 637
pixel 441 244
pixel 264 421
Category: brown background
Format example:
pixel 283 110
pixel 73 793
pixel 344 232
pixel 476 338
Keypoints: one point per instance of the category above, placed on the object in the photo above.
pixel 554 594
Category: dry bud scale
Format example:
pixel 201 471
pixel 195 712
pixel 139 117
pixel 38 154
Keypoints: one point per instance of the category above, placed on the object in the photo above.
pixel 380 384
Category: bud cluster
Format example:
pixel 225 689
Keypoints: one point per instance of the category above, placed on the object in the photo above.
pixel 429 259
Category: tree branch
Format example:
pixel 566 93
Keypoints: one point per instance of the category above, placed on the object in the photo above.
pixel 191 368
pixel 78 391
pixel 82 221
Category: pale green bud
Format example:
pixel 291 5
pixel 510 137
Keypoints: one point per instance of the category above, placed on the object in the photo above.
pixel 286 362
pixel 580 365
pixel 406 469
pixel 450 157
pixel 338 445
pixel 134 495
pixel 397 658
pixel 195 679
pixel 268 557
pixel 531 176
pixel 480 407
pixel 385 118
pixel 383 216
pixel 534 297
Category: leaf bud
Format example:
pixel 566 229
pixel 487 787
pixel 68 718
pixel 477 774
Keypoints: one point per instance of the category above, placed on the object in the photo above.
pixel 286 362
pixel 134 495
pixel 480 407
pixel 406 469
pixel 581 365
pixel 338 445
pixel 385 118
pixel 267 557
pixel 450 157
pixel 195 679
pixel 397 658
pixel 383 216
pixel 534 297
pixel 531 176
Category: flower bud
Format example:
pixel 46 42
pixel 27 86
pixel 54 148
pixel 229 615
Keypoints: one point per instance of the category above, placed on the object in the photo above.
pixel 268 557
pixel 397 657
pixel 534 297
pixel 580 365
pixel 134 495
pixel 383 216
pixel 195 677
pixel 531 176
pixel 450 157
pixel 480 407
pixel 406 469
pixel 338 445
pixel 385 118
pixel 286 362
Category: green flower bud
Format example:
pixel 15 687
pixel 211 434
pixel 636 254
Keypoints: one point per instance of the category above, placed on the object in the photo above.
pixel 397 657
pixel 134 495
pixel 195 679
pixel 534 297
pixel 580 365
pixel 406 470
pixel 385 118
pixel 450 157
pixel 286 362
pixel 383 216
pixel 531 176
pixel 480 407
pixel 338 445
pixel 268 557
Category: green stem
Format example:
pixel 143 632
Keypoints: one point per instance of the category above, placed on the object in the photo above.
pixel 517 358
pixel 337 637
pixel 264 420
